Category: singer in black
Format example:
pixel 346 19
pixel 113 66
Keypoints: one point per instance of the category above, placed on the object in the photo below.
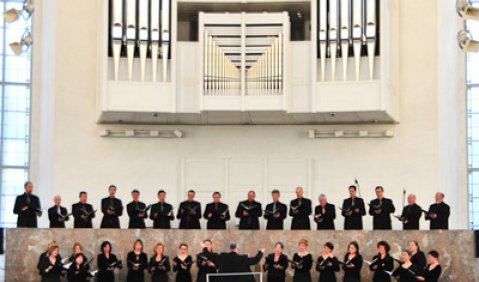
pixel 302 263
pixel 382 262
pixel 137 211
pixel 411 214
pixel 300 209
pixel 162 213
pixel 112 209
pixel 352 264
pixel 27 207
pixel 438 214
pixel 276 264
pixel 407 271
pixel 417 256
pixel 249 212
pixel 50 265
pixel 159 265
pixel 327 264
pixel 381 209
pixel 275 213
pixel 324 214
pixel 216 213
pixel 57 214
pixel 182 264
pixel 82 212
pixel 107 262
pixel 432 271
pixel 77 250
pixel 204 264
pixel 78 270
pixel 189 213
pixel 353 210
pixel 137 263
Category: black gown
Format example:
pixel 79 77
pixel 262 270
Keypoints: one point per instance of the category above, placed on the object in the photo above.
pixel 406 274
pixel 203 269
pixel 116 207
pixel 442 211
pixel 189 214
pixel 353 274
pixel 159 269
pixel 276 274
pixel 134 209
pixel 355 220
pixel 183 275
pixel 28 217
pixel 419 259
pixel 432 275
pixel 411 213
pixel 302 268
pixel 325 219
pixel 57 219
pixel 162 214
pixel 251 220
pixel 275 223
pixel 219 215
pixel 103 263
pixel 300 209
pixel 137 275
pixel 382 264
pixel 327 273
pixel 78 273
pixel 381 211
pixel 78 210
pixel 54 274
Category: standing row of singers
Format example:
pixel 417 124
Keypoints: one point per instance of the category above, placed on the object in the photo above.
pixel 189 212
pixel 411 266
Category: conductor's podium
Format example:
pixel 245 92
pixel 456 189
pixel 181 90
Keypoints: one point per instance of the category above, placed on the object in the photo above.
pixel 456 248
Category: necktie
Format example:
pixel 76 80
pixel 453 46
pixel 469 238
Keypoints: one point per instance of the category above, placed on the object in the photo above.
pixel 274 207
pixel 323 209
pixel 352 202
pixel 111 202
pixel 58 210
pixel 28 199
pixel 216 206
pixel 299 202
pixel 161 207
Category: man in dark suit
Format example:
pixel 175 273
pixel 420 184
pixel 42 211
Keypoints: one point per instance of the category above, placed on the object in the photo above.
pixel 438 213
pixel 216 213
pixel 381 209
pixel 275 213
pixel 233 262
pixel 249 212
pixel 83 212
pixel 189 213
pixel 112 209
pixel 353 211
pixel 58 214
pixel 137 211
pixel 411 214
pixel 324 214
pixel 28 207
pixel 162 212
pixel 300 209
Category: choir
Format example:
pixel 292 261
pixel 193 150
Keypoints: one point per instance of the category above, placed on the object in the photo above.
pixel 412 266
pixel 249 212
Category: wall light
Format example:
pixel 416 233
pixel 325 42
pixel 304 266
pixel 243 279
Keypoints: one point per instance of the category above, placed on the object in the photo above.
pixel 142 133
pixel 12 15
pixel 23 45
pixel 314 134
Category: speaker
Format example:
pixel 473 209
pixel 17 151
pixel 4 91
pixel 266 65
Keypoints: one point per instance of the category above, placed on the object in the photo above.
pixel 2 249
pixel 476 241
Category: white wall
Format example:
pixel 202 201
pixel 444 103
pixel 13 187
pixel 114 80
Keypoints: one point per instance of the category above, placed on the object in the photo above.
pixel 69 156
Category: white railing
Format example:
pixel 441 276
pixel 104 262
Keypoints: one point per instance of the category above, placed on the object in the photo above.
pixel 260 274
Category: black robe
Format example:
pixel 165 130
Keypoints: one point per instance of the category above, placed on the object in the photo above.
pixel 411 213
pixel 136 221
pixel 276 274
pixel 355 220
pixel 250 221
pixel 78 273
pixel 406 274
pixel 189 214
pixel 183 275
pixel 327 273
pixel 28 217
pixel 274 223
pixel 381 212
pixel 203 268
pixel 419 259
pixel 442 211
pixel 234 262
pixel 159 269
pixel 379 266
pixel 103 263
pixel 300 210
pixel 432 275
pixel 57 220
pixel 53 275
pixel 352 274
pixel 162 216
pixel 325 221
pixel 79 210
pixel 111 220
pixel 302 267
pixel 137 275
pixel 219 215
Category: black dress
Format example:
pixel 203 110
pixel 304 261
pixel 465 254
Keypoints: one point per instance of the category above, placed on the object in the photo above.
pixel 140 260
pixel 432 275
pixel 352 274
pixel 302 267
pixel 105 274
pixel 379 266
pixel 53 275
pixel 419 259
pixel 278 273
pixel 326 271
pixel 183 275
pixel 203 268
pixel 78 273
pixel 159 269
pixel 406 274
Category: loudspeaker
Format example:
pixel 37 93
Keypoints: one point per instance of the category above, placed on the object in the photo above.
pixel 476 241
pixel 2 249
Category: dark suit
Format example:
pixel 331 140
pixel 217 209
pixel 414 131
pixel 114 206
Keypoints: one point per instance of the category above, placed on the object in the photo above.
pixel 162 214
pixel 442 220
pixel 381 212
pixel 189 214
pixel 275 223
pixel 136 221
pixel 219 215
pixel 79 210
pixel 27 218
pixel 233 262
pixel 115 206
pixel 411 213
pixel 325 219
pixel 301 214
pixel 355 220
pixel 251 220
pixel 57 219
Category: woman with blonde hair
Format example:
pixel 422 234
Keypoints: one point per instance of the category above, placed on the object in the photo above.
pixel 159 264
